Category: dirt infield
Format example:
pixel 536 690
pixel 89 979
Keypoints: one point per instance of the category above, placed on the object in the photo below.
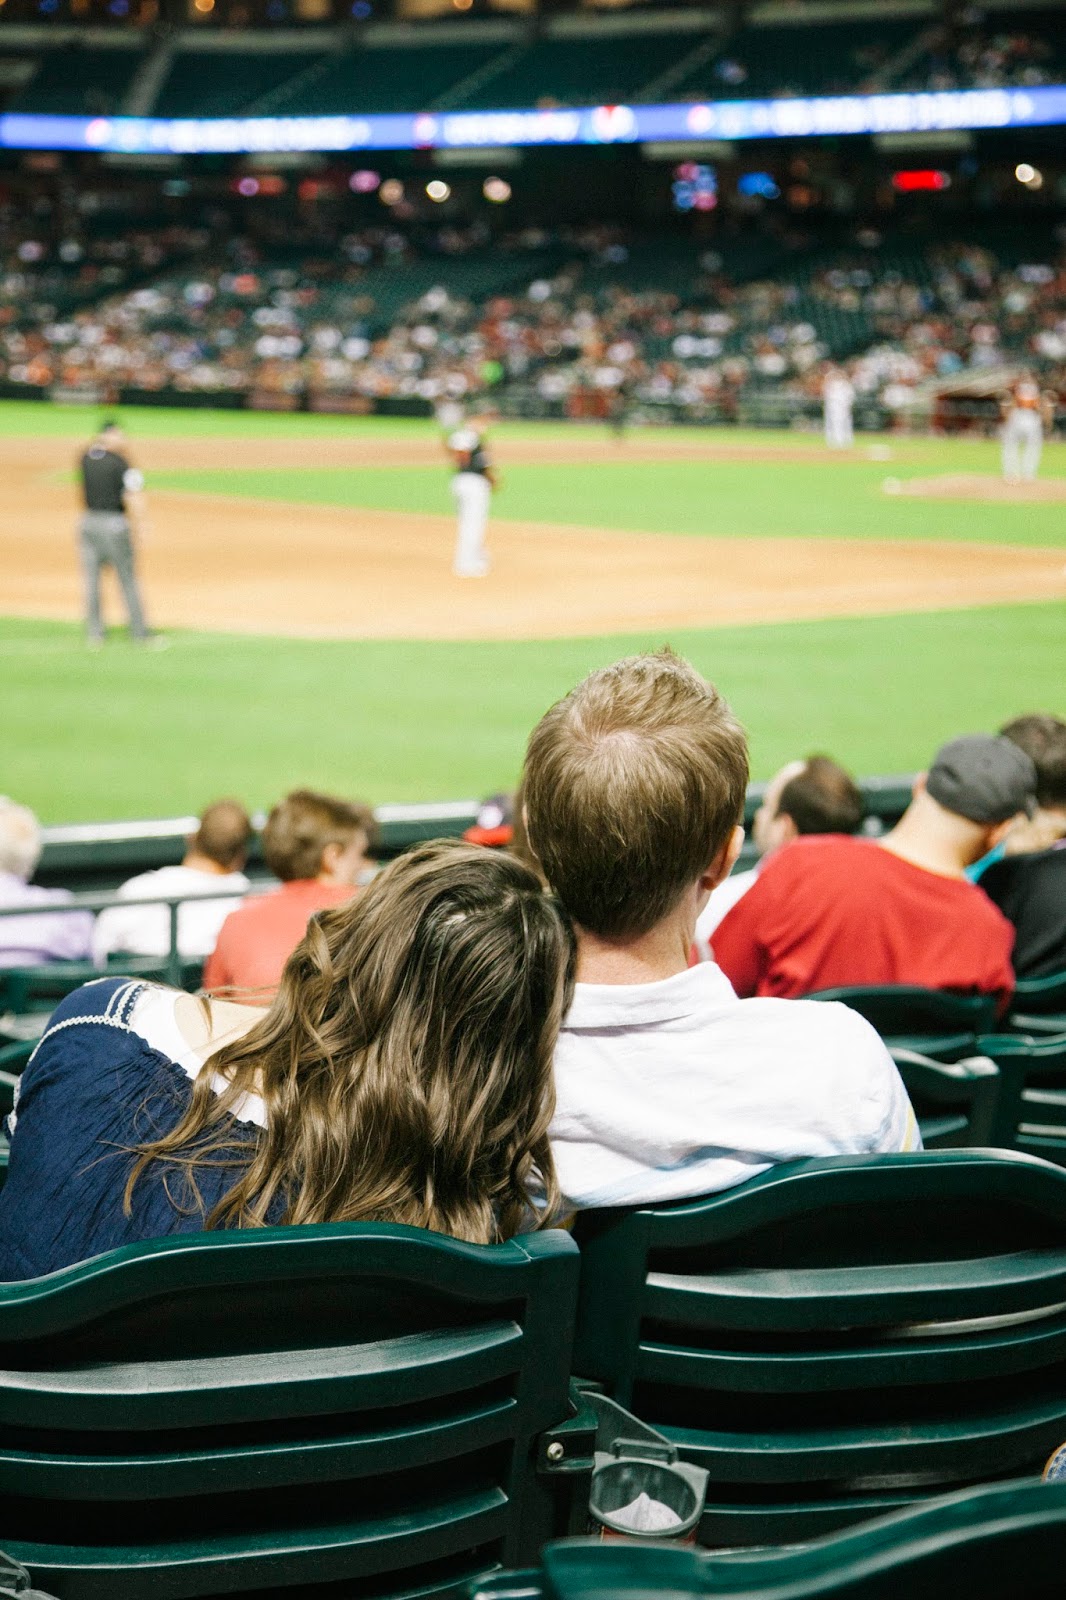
pixel 246 566
pixel 978 486
pixel 584 445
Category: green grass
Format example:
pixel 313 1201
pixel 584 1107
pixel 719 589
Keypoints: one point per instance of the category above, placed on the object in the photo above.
pixel 127 734
pixel 725 499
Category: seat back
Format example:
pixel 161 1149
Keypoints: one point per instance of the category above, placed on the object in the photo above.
pixel 985 1544
pixel 819 1339
pixel 284 1407
pixel 1030 1110
pixel 956 1102
pixel 932 1021
pixel 1039 1005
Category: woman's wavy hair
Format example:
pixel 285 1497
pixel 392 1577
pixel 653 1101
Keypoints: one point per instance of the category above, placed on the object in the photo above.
pixel 405 1064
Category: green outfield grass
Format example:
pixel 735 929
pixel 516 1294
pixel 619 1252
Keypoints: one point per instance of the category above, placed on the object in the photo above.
pixel 127 734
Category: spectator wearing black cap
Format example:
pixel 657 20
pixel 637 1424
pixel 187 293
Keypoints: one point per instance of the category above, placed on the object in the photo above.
pixel 836 911
pixel 113 494
pixel 1029 883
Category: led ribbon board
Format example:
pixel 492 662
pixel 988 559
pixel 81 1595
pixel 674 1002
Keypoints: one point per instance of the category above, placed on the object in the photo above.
pixel 470 130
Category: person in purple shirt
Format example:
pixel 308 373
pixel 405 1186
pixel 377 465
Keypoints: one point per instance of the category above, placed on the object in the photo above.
pixel 31 941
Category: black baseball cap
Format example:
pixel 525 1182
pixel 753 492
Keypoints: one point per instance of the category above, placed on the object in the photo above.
pixel 982 777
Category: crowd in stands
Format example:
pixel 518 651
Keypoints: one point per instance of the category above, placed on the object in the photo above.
pixel 985 54
pixel 381 1044
pixel 553 317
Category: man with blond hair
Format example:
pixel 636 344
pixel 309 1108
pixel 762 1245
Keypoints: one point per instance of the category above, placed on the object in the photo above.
pixel 668 1085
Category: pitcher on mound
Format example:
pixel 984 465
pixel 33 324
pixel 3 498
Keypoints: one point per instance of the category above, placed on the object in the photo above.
pixel 472 485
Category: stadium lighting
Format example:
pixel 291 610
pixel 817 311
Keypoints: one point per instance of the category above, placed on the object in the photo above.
pixel 248 187
pixel 391 192
pixel 498 190
pixel 438 191
pixel 204 7
pixel 1032 177
pixel 364 181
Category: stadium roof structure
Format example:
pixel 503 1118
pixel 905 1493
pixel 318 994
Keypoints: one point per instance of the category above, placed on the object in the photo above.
pixel 963 109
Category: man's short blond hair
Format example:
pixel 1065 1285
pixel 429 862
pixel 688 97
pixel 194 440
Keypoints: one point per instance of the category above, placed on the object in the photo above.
pixel 632 785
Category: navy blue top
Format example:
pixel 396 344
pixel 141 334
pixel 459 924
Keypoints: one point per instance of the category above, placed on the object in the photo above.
pixel 92 1091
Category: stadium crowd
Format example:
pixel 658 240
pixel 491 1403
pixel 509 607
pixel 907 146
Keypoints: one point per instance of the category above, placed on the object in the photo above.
pixel 551 320
pixel 446 980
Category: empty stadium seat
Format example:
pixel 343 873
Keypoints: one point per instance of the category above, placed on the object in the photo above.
pixel 933 1022
pixel 985 1544
pixel 1039 1005
pixel 1030 1110
pixel 838 1338
pixel 287 1407
pixel 955 1102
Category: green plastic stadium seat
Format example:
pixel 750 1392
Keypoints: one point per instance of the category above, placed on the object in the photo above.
pixel 1031 1105
pixel 818 1340
pixel 986 1544
pixel 932 1021
pixel 955 1101
pixel 1039 1005
pixel 292 1408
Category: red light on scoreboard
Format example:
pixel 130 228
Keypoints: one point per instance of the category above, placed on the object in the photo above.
pixel 918 179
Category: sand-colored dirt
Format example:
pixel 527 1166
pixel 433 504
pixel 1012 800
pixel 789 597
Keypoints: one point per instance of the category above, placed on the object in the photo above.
pixel 979 486
pixel 248 566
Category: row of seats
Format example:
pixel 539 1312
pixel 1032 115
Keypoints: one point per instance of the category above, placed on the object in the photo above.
pixel 392 1408
pixel 513 69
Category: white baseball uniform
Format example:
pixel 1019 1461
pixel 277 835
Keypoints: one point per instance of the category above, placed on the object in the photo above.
pixel 473 492
pixel 838 397
pixel 1022 438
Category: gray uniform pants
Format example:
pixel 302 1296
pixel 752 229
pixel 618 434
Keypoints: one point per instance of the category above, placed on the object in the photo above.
pixel 106 542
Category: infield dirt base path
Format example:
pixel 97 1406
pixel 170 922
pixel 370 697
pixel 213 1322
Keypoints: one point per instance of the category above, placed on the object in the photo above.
pixel 245 566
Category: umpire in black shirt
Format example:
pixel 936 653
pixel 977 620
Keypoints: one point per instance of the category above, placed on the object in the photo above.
pixel 112 489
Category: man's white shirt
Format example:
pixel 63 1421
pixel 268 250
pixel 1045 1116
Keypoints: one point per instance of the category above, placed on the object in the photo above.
pixel 138 930
pixel 677 1088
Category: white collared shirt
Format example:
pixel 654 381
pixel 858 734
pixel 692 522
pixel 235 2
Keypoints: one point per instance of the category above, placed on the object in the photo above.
pixel 677 1088
pixel 137 930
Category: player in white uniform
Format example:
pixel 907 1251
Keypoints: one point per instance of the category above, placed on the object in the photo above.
pixel 838 397
pixel 1023 432
pixel 472 487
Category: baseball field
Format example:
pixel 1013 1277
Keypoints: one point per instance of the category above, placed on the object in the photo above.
pixel 870 605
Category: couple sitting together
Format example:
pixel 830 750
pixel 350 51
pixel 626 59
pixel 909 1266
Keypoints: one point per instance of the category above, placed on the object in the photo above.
pixel 457 1049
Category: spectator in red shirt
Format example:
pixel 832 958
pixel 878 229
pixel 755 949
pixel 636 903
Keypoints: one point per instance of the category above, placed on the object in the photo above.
pixel 318 847
pixel 836 911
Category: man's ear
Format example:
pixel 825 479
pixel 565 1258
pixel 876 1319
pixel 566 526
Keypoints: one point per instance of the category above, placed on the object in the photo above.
pixel 721 865
pixel 996 835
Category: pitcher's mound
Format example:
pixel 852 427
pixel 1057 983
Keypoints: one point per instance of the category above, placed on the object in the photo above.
pixel 977 486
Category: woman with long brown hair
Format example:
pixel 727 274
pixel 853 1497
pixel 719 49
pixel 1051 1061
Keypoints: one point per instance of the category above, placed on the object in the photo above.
pixel 402 1074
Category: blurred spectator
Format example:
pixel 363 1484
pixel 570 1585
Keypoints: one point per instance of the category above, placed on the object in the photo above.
pixel 668 1085
pixel 812 796
pixel 495 825
pixel 835 912
pixel 213 860
pixel 317 846
pixel 29 941
pixel 1029 883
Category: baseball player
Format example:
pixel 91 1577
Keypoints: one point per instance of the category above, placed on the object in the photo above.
pixel 838 397
pixel 1022 437
pixel 472 486
pixel 112 490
